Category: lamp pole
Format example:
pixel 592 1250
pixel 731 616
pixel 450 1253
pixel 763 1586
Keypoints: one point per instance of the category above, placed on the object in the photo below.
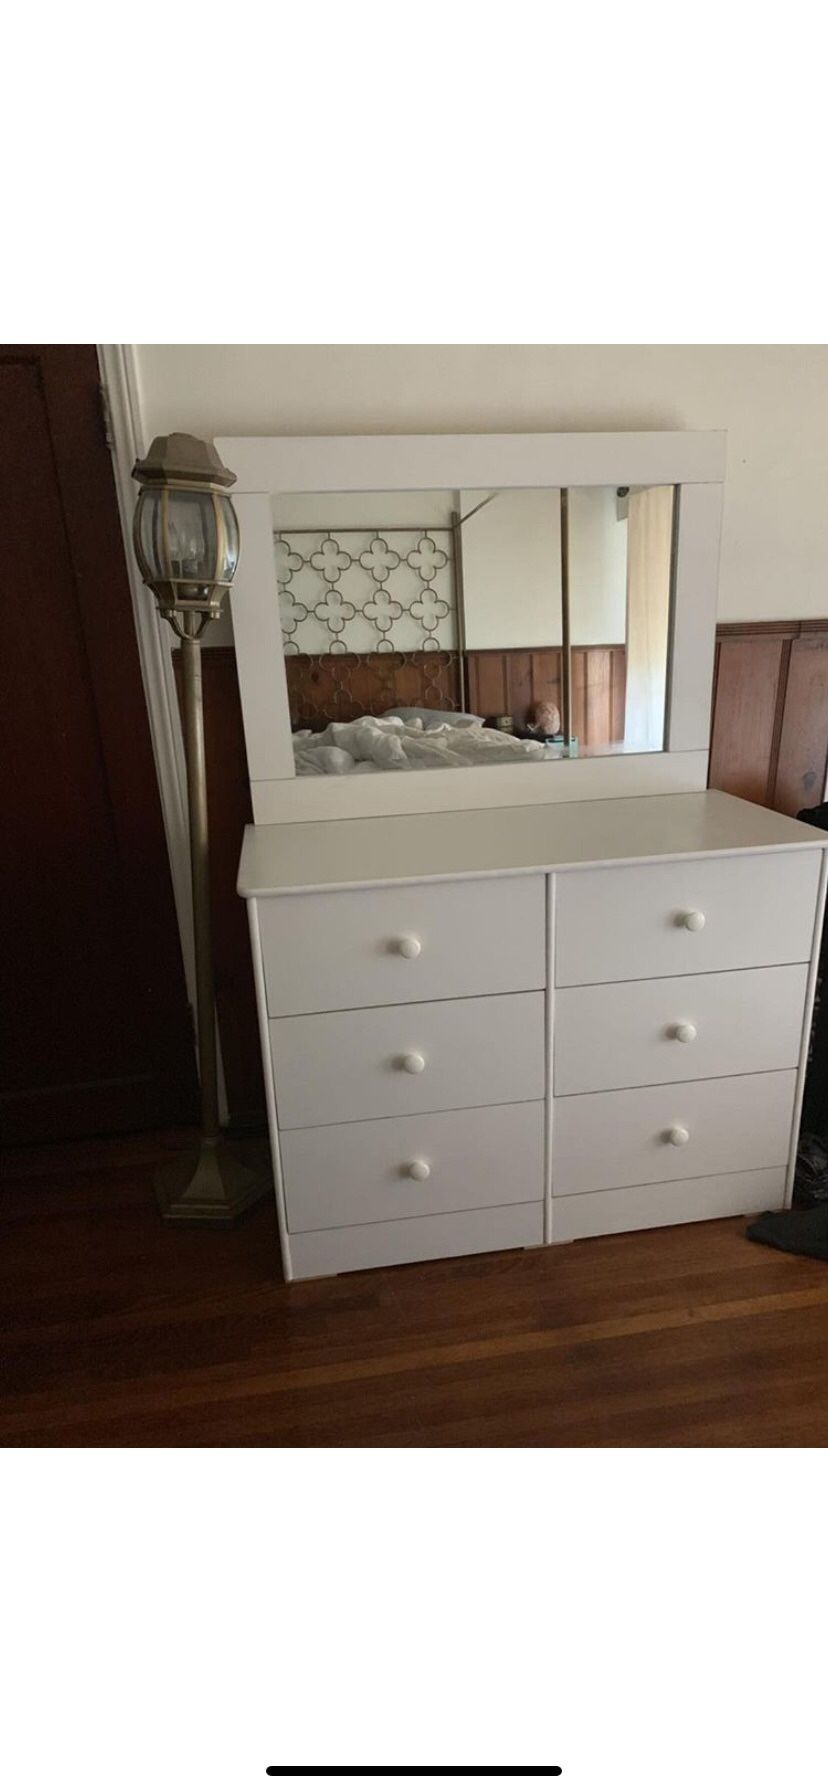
pixel 186 542
pixel 193 720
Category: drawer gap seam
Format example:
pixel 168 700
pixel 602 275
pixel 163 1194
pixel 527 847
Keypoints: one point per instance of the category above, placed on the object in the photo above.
pixel 401 1218
pixel 675 1181
pixel 726 1076
pixel 483 1107
pixel 480 995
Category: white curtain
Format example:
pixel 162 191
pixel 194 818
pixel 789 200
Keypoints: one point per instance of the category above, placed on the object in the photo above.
pixel 649 548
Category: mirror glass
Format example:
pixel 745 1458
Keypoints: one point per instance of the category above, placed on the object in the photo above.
pixel 429 629
pixel 619 578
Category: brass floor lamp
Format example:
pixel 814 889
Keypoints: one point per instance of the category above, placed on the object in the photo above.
pixel 186 538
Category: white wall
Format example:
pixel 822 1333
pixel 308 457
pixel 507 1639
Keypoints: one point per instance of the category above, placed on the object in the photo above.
pixel 772 401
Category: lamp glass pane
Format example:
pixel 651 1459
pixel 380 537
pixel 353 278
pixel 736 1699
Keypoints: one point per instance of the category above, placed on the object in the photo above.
pixel 149 540
pixel 188 535
pixel 192 537
pixel 230 558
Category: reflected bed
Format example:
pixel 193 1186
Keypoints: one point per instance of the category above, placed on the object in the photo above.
pixel 413 743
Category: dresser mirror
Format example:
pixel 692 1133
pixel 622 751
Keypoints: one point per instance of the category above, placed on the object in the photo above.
pixel 473 627
pixel 527 626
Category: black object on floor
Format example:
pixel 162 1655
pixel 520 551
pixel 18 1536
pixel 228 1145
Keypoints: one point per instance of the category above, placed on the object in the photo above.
pixel 815 1106
pixel 811 1182
pixel 804 1231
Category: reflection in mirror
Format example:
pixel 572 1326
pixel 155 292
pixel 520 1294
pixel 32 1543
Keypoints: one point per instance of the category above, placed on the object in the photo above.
pixel 509 550
pixel 429 629
pixel 396 607
pixel 511 555
pixel 619 580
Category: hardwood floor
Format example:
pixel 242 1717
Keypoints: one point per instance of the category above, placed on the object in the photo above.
pixel 121 1332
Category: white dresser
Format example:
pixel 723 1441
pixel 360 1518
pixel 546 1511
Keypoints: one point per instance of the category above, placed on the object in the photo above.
pixel 568 991
pixel 488 1029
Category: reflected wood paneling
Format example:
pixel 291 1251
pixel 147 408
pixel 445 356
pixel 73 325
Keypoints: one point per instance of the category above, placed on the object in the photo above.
pixel 598 692
pixel 338 687
pixel 513 681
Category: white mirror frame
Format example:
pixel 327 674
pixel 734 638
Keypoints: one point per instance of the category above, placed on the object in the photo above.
pixel 266 465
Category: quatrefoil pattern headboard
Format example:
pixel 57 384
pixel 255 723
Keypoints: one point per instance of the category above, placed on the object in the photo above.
pixel 361 591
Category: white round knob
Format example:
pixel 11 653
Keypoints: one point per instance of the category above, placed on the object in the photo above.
pixel 678 1135
pixel 409 947
pixel 685 1031
pixel 413 1062
pixel 693 920
pixel 419 1169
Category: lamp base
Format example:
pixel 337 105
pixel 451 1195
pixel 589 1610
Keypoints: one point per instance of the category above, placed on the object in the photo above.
pixel 215 1184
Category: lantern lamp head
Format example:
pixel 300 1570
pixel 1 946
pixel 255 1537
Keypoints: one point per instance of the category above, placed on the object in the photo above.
pixel 185 530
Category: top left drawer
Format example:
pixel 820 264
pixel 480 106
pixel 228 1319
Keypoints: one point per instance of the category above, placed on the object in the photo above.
pixel 406 943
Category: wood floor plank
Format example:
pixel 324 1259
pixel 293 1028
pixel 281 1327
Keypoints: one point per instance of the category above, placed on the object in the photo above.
pixel 119 1331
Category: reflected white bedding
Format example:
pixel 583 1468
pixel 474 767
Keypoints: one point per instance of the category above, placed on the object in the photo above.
pixel 387 743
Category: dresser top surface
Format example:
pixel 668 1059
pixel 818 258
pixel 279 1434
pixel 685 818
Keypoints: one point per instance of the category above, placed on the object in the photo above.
pixel 389 849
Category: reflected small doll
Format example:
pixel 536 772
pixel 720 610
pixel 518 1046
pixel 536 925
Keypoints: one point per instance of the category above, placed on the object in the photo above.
pixel 544 721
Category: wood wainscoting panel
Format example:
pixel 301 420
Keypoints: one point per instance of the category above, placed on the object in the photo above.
pixel 769 738
pixel 747 683
pixel 802 765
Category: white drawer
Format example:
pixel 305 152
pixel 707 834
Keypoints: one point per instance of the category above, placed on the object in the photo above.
pixel 424 1163
pixel 677 1029
pixel 632 920
pixel 622 1138
pixel 666 1204
pixel 341 1248
pixel 412 943
pixel 369 1064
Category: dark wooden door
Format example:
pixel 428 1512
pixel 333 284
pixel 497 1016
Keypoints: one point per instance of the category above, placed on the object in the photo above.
pixel 97 1035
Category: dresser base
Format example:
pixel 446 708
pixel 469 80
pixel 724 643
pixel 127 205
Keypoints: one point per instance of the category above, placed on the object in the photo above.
pixel 666 1203
pixel 341 1248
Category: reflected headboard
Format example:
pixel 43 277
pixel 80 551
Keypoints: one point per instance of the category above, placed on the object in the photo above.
pixel 338 687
